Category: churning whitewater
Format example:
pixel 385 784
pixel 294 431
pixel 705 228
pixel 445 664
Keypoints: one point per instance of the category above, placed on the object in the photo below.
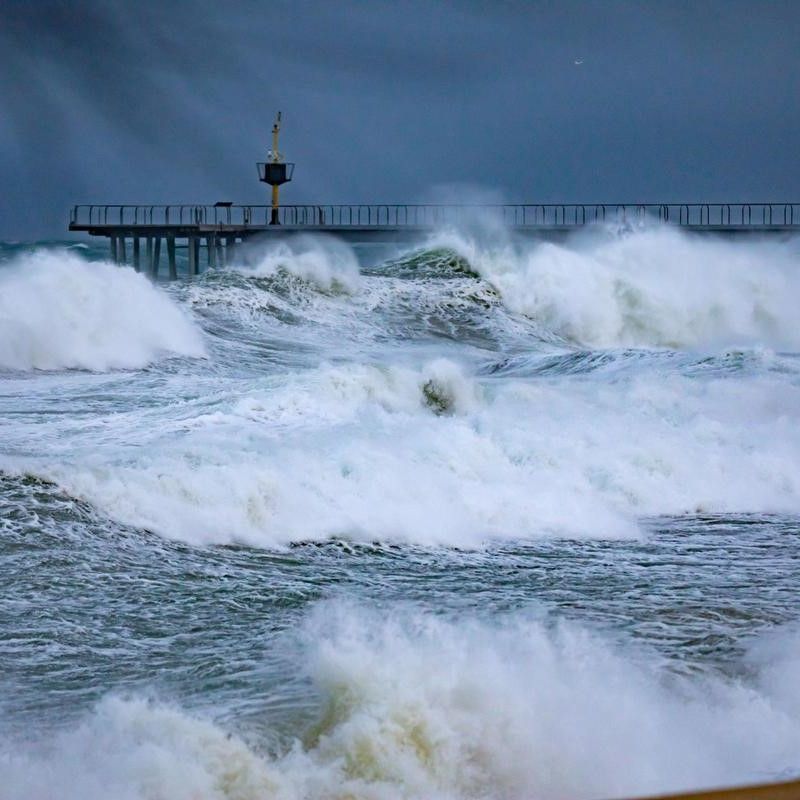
pixel 482 517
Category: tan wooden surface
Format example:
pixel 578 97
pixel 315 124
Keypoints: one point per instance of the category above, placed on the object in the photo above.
pixel 789 790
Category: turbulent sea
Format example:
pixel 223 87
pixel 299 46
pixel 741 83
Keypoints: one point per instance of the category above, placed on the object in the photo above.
pixel 477 518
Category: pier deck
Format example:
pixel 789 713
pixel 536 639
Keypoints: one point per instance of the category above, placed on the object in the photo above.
pixel 215 230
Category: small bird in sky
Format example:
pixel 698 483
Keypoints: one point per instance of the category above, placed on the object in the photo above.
pixel 578 62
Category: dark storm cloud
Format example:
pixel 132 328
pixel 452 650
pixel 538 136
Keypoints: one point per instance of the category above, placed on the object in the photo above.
pixel 172 101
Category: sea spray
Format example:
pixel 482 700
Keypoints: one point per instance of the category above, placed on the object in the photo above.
pixel 655 287
pixel 58 311
pixel 422 706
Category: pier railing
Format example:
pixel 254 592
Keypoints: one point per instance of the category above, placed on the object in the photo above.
pixel 700 215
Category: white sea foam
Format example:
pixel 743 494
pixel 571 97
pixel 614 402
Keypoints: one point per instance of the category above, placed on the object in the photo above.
pixel 58 311
pixel 432 455
pixel 423 707
pixel 653 287
pixel 405 445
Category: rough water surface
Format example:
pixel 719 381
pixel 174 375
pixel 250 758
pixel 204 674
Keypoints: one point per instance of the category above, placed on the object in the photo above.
pixel 478 518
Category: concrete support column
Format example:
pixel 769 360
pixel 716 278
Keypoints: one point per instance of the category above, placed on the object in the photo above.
pixel 191 243
pixel 211 248
pixel 148 253
pixel 173 269
pixel 220 251
pixel 122 256
pixel 112 240
pixel 137 261
pixel 156 257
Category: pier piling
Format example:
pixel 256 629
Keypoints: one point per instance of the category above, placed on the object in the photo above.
pixel 156 257
pixel 211 248
pixel 137 261
pixel 173 270
pixel 191 243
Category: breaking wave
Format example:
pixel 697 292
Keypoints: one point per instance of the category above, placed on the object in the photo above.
pixel 424 707
pixel 324 261
pixel 370 429
pixel 435 456
pixel 653 288
pixel 59 311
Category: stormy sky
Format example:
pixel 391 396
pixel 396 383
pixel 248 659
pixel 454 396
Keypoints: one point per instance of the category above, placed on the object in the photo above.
pixel 173 100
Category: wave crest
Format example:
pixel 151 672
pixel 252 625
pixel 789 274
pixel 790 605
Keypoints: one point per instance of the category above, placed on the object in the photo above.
pixel 324 261
pixel 656 287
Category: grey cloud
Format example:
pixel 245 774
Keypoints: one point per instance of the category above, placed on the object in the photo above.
pixel 149 101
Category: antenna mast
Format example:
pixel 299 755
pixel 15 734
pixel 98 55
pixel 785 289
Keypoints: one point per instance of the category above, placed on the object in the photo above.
pixel 275 171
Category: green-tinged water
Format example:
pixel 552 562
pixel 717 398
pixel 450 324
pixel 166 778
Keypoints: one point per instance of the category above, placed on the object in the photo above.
pixel 484 519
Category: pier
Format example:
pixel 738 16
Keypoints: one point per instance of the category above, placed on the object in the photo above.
pixel 147 236
pixel 143 235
